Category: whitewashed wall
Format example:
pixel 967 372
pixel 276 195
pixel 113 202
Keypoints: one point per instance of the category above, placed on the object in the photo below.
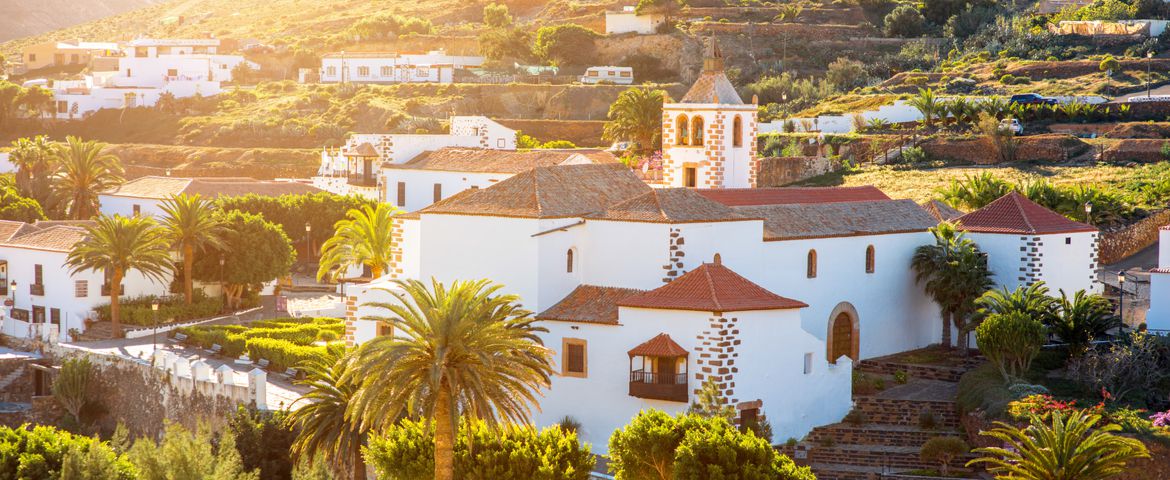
pixel 629 22
pixel 1062 265
pixel 420 185
pixel 1158 317
pixel 124 206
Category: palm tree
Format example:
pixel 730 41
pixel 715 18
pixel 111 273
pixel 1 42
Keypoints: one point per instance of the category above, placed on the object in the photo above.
pixel 954 273
pixel 35 163
pixel 1082 319
pixel 116 245
pixel 636 115
pixel 83 173
pixel 975 191
pixel 323 428
pixel 363 238
pixel 192 226
pixel 928 105
pixel 1068 449
pixel 1031 300
pixel 458 351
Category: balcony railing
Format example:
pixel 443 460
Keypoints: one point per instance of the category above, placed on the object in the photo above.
pixel 36 289
pixel 657 386
pixel 363 181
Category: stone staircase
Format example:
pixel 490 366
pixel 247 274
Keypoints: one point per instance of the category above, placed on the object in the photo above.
pixel 886 431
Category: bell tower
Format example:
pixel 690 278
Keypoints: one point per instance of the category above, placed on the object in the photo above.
pixel 709 137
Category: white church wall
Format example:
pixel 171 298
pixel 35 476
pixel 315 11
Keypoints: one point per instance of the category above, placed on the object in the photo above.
pixel 1069 262
pixel 420 185
pixel 737 243
pixel 1003 256
pixel 894 314
pixel 468 247
pixel 624 254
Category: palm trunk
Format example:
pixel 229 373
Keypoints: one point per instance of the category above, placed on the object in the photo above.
pixel 376 271
pixel 188 264
pixel 115 302
pixel 946 333
pixel 444 435
pixel 359 464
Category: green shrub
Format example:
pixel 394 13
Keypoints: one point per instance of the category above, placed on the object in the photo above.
pixel 41 452
pixel 983 388
pixel 1010 341
pixel 942 450
pixel 284 342
pixel 406 452
pixel 137 311
pixel 282 354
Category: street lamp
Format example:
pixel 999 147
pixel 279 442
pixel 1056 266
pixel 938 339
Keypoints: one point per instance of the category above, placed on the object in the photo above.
pixel 1121 296
pixel 308 241
pixel 1149 59
pixel 154 335
pixel 1089 212
pixel 222 287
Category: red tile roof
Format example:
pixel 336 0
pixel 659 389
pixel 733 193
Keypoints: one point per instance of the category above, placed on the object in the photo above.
pixel 941 211
pixel 659 346
pixel 589 304
pixel 844 219
pixel 737 197
pixel 482 160
pixel 669 205
pixel 548 192
pixel 1160 270
pixel 1015 214
pixel 711 288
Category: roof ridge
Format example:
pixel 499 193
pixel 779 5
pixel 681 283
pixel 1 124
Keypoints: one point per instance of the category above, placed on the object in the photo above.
pixel 711 285
pixel 1020 207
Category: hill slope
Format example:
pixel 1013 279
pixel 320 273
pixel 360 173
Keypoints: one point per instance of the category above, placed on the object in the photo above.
pixel 27 18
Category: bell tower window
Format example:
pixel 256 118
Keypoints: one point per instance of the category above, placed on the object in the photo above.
pixel 697 131
pixel 737 132
pixel 682 130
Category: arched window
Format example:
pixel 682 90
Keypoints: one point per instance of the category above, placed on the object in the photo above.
pixel 812 264
pixel 569 261
pixel 682 130
pixel 869 259
pixel 697 131
pixel 737 132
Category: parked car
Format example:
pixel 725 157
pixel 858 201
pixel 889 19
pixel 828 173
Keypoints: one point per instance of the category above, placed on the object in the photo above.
pixel 1012 124
pixel 1032 99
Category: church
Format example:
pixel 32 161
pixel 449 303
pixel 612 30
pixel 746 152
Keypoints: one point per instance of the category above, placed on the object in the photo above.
pixel 650 291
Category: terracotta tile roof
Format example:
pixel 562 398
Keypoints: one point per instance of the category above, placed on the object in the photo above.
pixel 1160 270
pixel 941 211
pixel 57 238
pixel 10 229
pixel 548 192
pixel 482 160
pixel 734 197
pixel 788 222
pixel 669 205
pixel 589 304
pixel 711 287
pixel 659 346
pixel 163 187
pixel 1015 214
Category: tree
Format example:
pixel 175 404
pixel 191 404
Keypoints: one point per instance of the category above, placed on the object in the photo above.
pixel 1071 448
pixel 710 402
pixel 17 208
pixel 252 251
pixel 182 455
pixel 1001 136
pixel 35 163
pixel 943 450
pixel 954 273
pixel 9 95
pixel 117 245
pixel 462 348
pixel 1030 300
pixel 566 45
pixel 405 451
pixel 1010 341
pixel 1109 64
pixel 636 115
pixel 905 21
pixel 93 462
pixel 975 192
pixel 192 225
pixel 71 387
pixel 927 104
pixel 656 445
pixel 665 7
pixel 1082 319
pixel 84 172
pixel 506 46
pixel 846 74
pixel 263 439
pixel 496 15
pixel 36 100
pixel 364 239
pixel 1131 370
pixel 43 452
pixel 324 431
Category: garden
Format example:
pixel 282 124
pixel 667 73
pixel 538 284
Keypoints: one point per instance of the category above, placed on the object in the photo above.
pixel 285 342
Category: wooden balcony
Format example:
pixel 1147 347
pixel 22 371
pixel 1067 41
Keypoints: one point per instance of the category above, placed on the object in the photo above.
pixel 655 386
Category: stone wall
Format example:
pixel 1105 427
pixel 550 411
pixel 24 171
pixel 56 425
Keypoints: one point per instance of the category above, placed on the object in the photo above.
pixel 1121 244
pixel 583 133
pixel 781 171
pixel 1135 150
pixel 1039 148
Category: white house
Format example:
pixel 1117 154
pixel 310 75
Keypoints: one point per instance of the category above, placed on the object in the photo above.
pixel 1027 243
pixel 145 195
pixel 144 71
pixel 439 174
pixel 615 75
pixel 627 20
pixel 1158 317
pixel 43 299
pixel 354 168
pixel 389 67
pixel 771 293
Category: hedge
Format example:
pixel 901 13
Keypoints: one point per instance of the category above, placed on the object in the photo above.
pixel 284 342
pixel 28 453
pixel 137 311
pixel 282 354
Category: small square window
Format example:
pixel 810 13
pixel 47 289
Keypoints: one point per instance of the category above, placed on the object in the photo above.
pixel 1068 240
pixel 81 288
pixel 808 360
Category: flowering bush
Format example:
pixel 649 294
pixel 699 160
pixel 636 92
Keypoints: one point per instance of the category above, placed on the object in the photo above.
pixel 1161 419
pixel 1043 405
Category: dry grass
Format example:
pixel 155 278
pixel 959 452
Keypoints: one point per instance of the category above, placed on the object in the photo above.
pixel 849 103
